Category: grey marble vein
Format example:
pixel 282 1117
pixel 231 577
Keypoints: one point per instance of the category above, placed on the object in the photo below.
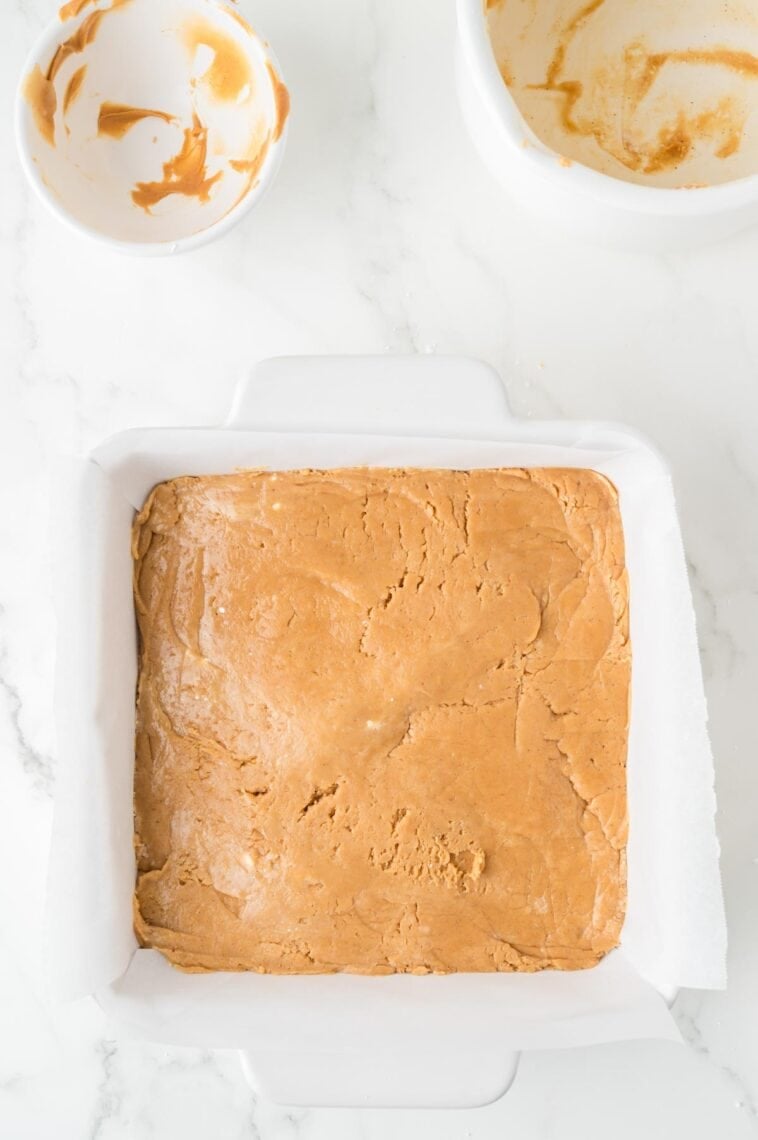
pixel 36 764
pixel 717 643
pixel 109 1096
pixel 740 1084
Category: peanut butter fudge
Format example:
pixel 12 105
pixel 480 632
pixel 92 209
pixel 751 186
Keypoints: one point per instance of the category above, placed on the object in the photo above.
pixel 381 720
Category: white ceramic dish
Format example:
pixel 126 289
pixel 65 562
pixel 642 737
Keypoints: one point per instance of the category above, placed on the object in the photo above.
pixel 151 125
pixel 346 1040
pixel 589 203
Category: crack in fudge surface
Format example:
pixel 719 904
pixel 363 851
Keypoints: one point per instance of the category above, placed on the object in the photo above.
pixel 381 720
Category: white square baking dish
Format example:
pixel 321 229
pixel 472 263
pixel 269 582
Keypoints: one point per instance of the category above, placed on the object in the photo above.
pixel 394 1041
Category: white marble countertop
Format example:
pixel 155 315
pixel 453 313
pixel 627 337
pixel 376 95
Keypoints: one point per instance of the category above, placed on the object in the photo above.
pixel 383 234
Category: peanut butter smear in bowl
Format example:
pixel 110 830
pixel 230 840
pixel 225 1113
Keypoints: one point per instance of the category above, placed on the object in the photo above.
pixel 664 95
pixel 151 124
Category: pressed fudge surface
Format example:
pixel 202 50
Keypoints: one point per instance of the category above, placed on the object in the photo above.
pixel 381 720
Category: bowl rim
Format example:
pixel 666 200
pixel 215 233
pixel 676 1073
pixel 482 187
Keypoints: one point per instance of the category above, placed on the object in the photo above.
pixel 47 41
pixel 688 201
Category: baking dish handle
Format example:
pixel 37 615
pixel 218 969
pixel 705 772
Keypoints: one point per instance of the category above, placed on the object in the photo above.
pixel 376 395
pixel 380 1079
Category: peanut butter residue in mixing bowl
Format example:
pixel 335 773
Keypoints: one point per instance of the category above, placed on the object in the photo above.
pixel 229 73
pixel 240 20
pixel 616 92
pixel 570 89
pixel 115 119
pixel 740 61
pixel 281 102
pixel 253 164
pixel 82 38
pixel 675 142
pixel 724 124
pixel 186 173
pixel 74 88
pixel 39 88
pixel 73 8
pixel 39 93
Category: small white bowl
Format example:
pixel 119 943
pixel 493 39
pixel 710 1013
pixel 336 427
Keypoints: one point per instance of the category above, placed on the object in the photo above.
pixel 591 204
pixel 151 125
